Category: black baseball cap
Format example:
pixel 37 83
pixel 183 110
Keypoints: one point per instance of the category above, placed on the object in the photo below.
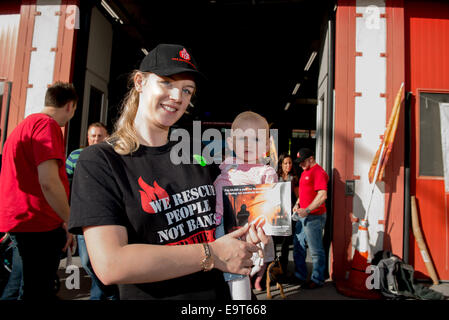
pixel 170 59
pixel 303 154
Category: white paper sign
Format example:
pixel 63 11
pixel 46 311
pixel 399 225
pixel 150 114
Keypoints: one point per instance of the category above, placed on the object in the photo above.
pixel 444 120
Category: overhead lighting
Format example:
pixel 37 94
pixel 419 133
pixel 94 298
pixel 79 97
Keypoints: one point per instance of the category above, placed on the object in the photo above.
pixel 287 106
pixel 309 63
pixel 145 51
pixel 111 11
pixel 296 88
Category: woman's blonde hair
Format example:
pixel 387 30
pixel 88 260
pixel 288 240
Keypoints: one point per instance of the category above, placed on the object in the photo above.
pixel 124 139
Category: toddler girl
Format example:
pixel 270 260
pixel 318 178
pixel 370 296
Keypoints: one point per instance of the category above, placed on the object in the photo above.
pixel 249 140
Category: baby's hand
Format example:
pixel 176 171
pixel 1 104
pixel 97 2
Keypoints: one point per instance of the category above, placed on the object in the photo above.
pixel 255 236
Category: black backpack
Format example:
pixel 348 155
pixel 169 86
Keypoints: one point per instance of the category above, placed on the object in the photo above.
pixel 396 279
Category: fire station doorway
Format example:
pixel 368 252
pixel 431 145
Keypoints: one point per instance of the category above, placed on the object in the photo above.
pixel 273 57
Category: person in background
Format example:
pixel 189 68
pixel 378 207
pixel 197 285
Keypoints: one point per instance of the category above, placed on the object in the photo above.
pixel 13 289
pixel 310 214
pixel 287 173
pixel 96 133
pixel 35 190
pixel 148 222
pixel 245 168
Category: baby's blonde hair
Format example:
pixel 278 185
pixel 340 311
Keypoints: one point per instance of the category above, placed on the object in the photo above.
pixel 249 116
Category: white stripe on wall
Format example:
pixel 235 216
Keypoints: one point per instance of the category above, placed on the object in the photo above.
pixel 42 63
pixel 370 114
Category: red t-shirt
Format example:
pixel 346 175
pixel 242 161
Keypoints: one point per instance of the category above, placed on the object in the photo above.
pixel 312 180
pixel 23 207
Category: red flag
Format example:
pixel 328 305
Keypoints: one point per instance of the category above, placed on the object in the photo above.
pixel 387 141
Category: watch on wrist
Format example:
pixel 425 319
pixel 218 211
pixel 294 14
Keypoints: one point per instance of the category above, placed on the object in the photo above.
pixel 207 264
pixel 308 210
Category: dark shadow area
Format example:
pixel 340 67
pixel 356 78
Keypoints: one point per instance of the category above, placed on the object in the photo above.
pixel 252 52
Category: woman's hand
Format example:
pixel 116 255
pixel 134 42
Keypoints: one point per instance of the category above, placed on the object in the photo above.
pixel 232 254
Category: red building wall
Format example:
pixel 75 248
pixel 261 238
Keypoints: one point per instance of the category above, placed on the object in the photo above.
pixel 8 41
pixel 394 171
pixel 8 47
pixel 16 67
pixel 427 68
pixel 417 52
pixel 343 137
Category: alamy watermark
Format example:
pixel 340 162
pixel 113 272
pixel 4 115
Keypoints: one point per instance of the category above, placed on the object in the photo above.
pixel 212 147
pixel 73 280
pixel 373 280
pixel 72 20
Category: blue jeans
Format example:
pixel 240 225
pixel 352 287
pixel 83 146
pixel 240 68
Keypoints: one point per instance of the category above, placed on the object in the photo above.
pixel 309 232
pixel 98 291
pixel 14 288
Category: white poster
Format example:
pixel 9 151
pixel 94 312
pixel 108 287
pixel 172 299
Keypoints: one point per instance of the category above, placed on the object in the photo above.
pixel 444 119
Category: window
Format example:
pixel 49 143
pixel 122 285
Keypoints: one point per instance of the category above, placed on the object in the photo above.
pixel 430 147
pixel 303 133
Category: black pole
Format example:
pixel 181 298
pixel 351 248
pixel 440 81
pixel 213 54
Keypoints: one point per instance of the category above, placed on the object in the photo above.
pixel 407 150
pixel 5 123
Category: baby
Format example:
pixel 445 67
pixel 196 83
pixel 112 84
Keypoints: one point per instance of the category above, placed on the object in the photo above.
pixel 250 141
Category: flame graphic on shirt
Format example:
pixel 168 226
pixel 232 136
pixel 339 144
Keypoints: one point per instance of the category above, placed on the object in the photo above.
pixel 150 194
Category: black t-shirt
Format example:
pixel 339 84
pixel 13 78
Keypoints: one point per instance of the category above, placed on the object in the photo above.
pixel 158 203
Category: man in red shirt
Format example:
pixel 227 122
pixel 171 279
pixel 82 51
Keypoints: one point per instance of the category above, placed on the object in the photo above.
pixel 34 188
pixel 310 214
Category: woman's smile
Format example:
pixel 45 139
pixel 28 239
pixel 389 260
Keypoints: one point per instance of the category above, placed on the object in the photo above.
pixel 169 108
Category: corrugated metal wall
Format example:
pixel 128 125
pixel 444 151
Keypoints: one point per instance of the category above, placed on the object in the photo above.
pixel 9 29
pixel 427 69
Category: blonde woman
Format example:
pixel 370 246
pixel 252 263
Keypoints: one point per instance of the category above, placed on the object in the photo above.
pixel 149 224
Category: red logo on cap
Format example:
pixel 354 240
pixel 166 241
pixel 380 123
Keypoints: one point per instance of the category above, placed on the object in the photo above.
pixel 185 57
pixel 184 54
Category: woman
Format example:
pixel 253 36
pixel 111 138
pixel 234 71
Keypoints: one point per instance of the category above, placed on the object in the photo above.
pixel 136 208
pixel 286 172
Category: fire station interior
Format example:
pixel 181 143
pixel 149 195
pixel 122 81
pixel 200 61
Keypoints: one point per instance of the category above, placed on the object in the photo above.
pixel 273 57
pixel 259 55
